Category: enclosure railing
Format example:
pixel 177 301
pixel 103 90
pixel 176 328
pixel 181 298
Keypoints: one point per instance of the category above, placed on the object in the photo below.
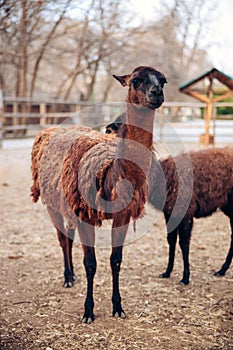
pixel 16 121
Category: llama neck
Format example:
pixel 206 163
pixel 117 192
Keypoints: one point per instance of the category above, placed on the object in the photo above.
pixel 139 125
pixel 136 144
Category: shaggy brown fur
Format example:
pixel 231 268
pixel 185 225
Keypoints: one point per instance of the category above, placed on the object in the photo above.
pixel 211 172
pixel 83 176
pixel 40 141
pixel 104 177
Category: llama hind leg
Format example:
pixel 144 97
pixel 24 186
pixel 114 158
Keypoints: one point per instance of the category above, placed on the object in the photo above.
pixel 66 245
pixel 171 238
pixel 65 238
pixel 87 238
pixel 70 235
pixel 185 229
pixel 229 257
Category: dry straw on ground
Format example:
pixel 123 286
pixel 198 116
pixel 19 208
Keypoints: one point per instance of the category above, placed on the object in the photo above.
pixel 37 313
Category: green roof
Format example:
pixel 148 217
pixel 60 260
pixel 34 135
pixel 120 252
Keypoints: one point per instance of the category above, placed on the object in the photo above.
pixel 214 73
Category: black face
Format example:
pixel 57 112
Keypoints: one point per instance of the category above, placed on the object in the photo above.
pixel 148 87
pixel 113 128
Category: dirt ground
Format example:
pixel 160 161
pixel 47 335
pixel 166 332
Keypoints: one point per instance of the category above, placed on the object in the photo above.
pixel 37 313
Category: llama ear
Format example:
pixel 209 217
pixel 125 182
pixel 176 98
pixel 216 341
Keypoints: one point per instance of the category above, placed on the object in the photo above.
pixel 123 79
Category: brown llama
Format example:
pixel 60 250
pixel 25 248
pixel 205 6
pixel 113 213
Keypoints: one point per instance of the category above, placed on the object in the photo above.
pixel 212 173
pixel 202 189
pixel 84 177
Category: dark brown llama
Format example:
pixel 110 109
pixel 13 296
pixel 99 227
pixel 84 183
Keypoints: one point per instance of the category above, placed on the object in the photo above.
pixel 196 185
pixel 83 178
pixel 212 174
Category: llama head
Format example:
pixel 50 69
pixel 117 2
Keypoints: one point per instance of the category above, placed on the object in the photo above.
pixel 113 128
pixel 145 86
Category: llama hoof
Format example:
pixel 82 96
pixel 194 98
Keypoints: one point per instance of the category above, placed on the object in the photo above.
pixel 68 284
pixel 69 281
pixel 184 283
pixel 118 312
pixel 87 320
pixel 219 273
pixel 164 275
pixel 121 315
pixel 88 317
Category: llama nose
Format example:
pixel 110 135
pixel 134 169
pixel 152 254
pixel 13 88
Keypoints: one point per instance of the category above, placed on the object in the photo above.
pixel 154 90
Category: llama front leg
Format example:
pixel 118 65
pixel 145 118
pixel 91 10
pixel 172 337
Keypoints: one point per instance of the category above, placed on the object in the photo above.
pixel 229 257
pixel 118 238
pixel 171 238
pixel 115 260
pixel 87 237
pixel 185 229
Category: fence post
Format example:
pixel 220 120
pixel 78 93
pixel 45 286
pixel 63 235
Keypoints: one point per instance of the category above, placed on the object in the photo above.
pixel 42 113
pixel 15 120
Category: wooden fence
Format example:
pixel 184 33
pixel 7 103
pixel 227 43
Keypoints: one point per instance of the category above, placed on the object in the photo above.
pixel 26 117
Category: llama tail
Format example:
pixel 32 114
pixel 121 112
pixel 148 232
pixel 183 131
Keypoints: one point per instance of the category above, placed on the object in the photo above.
pixel 35 193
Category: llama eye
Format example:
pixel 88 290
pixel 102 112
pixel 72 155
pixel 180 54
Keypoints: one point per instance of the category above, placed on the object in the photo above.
pixel 136 82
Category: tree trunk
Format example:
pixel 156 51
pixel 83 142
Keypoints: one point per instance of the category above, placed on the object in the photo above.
pixel 43 48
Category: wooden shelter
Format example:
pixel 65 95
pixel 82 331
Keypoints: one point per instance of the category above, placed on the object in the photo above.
pixel 210 87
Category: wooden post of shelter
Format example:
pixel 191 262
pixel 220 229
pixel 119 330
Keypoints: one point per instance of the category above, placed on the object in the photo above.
pixel 207 95
pixel 208 138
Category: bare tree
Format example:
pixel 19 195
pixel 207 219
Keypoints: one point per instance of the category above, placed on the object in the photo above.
pixel 45 44
pixel 25 39
pixel 191 19
pixel 174 43
pixel 69 47
pixel 99 36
